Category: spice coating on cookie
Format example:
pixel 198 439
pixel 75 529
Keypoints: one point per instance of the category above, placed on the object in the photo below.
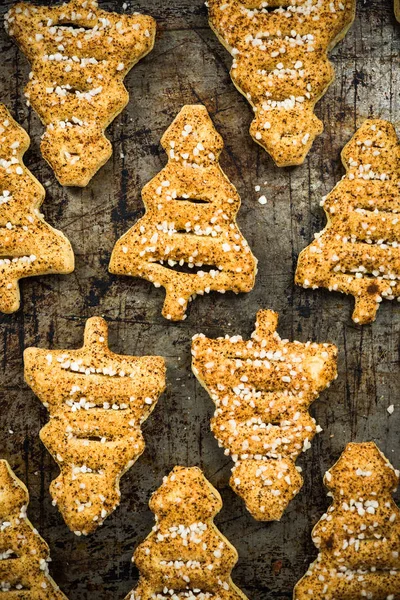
pixel 359 536
pixel 188 240
pixel 28 245
pixel 280 65
pixel 185 557
pixel 97 402
pixel 80 56
pixel 358 252
pixel 24 554
pixel 262 389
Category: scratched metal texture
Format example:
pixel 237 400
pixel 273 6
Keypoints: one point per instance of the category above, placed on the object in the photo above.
pixel 189 65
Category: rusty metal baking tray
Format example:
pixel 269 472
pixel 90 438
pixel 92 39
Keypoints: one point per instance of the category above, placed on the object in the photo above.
pixel 189 65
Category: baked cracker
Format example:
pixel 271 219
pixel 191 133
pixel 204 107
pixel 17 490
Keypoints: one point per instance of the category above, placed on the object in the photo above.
pixel 24 573
pixel 359 536
pixel 357 253
pixel 280 65
pixel 97 401
pixel 188 240
pixel 262 389
pixel 185 556
pixel 28 245
pixel 80 56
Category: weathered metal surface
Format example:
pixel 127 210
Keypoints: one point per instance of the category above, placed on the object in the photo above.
pixel 188 65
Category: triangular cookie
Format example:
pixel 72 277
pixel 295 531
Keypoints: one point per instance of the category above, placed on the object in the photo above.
pixel 262 389
pixel 280 65
pixel 188 240
pixel 24 574
pixel 97 402
pixel 358 252
pixel 28 245
pixel 80 55
pixel 359 536
pixel 185 557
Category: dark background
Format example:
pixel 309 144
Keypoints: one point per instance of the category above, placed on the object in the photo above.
pixel 189 65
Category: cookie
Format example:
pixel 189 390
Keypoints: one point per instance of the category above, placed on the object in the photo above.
pixel 357 253
pixel 188 240
pixel 23 553
pixel 28 245
pixel 185 556
pixel 397 9
pixel 262 389
pixel 359 536
pixel 280 65
pixel 97 402
pixel 79 56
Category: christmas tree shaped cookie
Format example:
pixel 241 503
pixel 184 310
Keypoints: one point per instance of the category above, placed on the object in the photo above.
pixel 24 555
pixel 358 252
pixel 188 241
pixel 359 536
pixel 262 389
pixel 28 245
pixel 280 65
pixel 79 56
pixel 185 556
pixel 97 402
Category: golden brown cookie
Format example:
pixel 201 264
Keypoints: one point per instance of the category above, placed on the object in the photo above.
pixel 79 56
pixel 24 574
pixel 280 65
pixel 185 556
pixel 97 402
pixel 359 536
pixel 358 252
pixel 28 245
pixel 262 389
pixel 188 240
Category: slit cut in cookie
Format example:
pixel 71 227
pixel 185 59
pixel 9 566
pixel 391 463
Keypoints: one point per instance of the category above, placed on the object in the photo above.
pixel 80 56
pixel 185 557
pixel 358 252
pixel 262 389
pixel 358 538
pixel 97 402
pixel 24 554
pixel 280 65
pixel 188 240
pixel 28 245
